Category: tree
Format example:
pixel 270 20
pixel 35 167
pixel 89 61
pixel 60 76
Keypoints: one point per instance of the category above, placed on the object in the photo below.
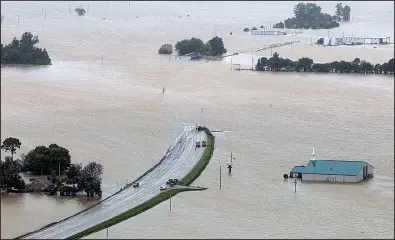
pixel 279 25
pixel 10 145
pixel 254 28
pixel 216 45
pixel 346 13
pixel 23 51
pixel 246 29
pixel 189 46
pixel 9 175
pixel 300 11
pixel 80 11
pixel 90 180
pixel 304 64
pixel 274 62
pixel 73 174
pixel 166 49
pixel 339 12
pixel 43 160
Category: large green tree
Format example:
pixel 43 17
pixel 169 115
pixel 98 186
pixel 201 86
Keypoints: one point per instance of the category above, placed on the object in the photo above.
pixel 10 145
pixel 43 160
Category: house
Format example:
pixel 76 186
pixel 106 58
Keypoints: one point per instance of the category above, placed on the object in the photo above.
pixel 333 171
pixel 40 184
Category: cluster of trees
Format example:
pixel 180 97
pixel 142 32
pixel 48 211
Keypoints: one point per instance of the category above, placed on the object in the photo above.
pixel 278 64
pixel 48 161
pixel 309 15
pixel 252 29
pixel 45 160
pixel 213 47
pixel 166 49
pixel 23 51
pixel 80 11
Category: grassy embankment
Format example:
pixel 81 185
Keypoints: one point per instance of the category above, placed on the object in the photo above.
pixel 163 196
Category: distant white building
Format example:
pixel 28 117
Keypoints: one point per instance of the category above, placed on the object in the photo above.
pixel 267 32
pixel 331 42
pixel 354 41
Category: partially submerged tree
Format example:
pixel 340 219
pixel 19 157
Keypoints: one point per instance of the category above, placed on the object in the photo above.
pixel 73 174
pixel 90 180
pixel 10 145
pixel 246 29
pixel 80 11
pixel 23 51
pixel 216 46
pixel 166 49
pixel 9 174
pixel 254 28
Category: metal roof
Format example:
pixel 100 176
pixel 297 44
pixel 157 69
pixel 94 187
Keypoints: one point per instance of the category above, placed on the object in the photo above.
pixel 338 167
pixel 297 169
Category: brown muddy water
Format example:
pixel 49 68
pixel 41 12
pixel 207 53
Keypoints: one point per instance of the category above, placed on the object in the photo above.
pixel 115 114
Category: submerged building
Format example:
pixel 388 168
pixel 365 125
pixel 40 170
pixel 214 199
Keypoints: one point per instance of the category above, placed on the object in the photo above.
pixel 333 171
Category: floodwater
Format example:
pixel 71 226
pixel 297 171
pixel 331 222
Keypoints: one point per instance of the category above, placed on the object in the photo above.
pixel 102 100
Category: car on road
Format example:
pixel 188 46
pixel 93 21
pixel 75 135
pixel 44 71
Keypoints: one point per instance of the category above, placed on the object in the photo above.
pixel 197 143
pixel 204 143
pixel 136 184
pixel 163 188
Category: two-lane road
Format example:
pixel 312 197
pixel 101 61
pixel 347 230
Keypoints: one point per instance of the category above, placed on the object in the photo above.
pixel 179 160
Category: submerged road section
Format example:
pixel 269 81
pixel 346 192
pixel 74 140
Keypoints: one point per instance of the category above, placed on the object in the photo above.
pixel 178 161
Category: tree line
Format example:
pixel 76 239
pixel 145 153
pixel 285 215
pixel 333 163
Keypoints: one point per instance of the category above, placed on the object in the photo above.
pixel 23 51
pixel 213 47
pixel 309 15
pixel 49 161
pixel 278 64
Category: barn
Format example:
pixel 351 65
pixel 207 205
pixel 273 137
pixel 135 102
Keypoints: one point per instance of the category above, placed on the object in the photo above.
pixel 333 171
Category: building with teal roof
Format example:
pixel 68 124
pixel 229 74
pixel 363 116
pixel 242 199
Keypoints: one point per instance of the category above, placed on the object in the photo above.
pixel 333 171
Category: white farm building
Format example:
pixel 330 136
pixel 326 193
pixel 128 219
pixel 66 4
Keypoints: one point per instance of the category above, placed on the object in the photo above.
pixel 333 171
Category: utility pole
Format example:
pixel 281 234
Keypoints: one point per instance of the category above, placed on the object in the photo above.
pixel 252 59
pixel 295 184
pixel 70 9
pixel 18 17
pixel 220 177
pixel 170 202
pixel 271 51
pixel 231 158
pixel 107 232
pixel 231 64
pixel 59 170
pixel 45 14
